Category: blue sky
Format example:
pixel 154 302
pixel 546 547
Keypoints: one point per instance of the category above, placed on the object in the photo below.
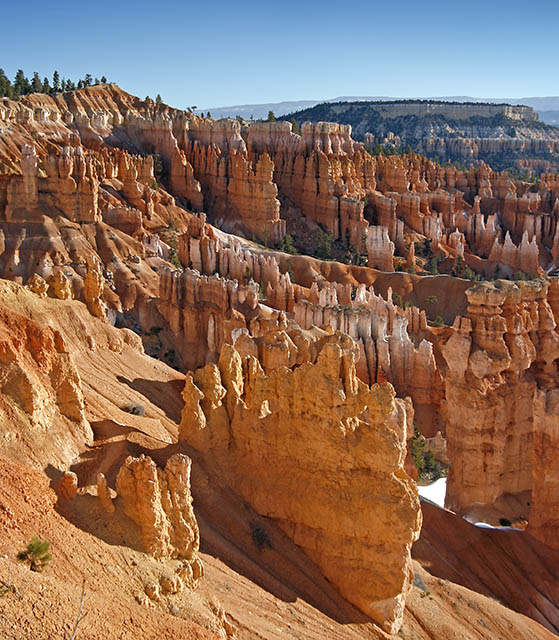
pixel 212 54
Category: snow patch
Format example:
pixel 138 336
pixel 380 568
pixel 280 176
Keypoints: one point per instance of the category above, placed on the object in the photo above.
pixel 484 525
pixel 434 492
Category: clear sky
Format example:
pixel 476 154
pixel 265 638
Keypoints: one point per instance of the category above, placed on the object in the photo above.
pixel 219 53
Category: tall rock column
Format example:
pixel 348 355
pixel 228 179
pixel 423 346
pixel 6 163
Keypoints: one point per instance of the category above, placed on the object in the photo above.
pixel 160 503
pixel 489 396
pixel 544 512
pixel 380 249
pixel 29 171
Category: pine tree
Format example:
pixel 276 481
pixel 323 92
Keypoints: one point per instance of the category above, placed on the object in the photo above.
pixel 5 84
pixel 271 117
pixel 19 83
pixel 22 86
pixel 158 99
pixel 417 447
pixel 36 84
pixel 294 125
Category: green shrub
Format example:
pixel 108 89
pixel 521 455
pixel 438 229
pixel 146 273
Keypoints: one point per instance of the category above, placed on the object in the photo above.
pixel 417 446
pixel 423 249
pixel 8 587
pixel 324 245
pixel 428 468
pixel 37 554
pixel 174 258
pixel 286 245
pixel 260 537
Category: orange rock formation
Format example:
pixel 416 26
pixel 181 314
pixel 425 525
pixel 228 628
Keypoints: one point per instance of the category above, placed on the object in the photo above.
pixel 315 416
pixel 500 391
pixel 40 390
pixel 160 503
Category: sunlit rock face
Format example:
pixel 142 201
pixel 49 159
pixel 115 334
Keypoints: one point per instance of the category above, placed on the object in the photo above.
pixel 322 454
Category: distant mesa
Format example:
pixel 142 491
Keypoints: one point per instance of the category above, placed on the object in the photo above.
pixel 546 107
pixel 505 136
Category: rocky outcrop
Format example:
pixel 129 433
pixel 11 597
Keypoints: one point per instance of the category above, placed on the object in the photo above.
pixel 60 286
pixel 71 182
pixel 379 326
pixel 104 494
pixel 204 312
pixel 524 258
pixel 200 249
pixel 380 249
pixel 93 287
pixel 38 285
pixel 544 512
pixel 322 172
pixel 160 503
pixel 41 393
pixel 68 485
pixel 501 390
pixel 291 429
pixel 490 397
pixel 239 190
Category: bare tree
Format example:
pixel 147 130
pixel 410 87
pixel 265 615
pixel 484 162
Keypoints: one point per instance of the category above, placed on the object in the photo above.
pixel 80 616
